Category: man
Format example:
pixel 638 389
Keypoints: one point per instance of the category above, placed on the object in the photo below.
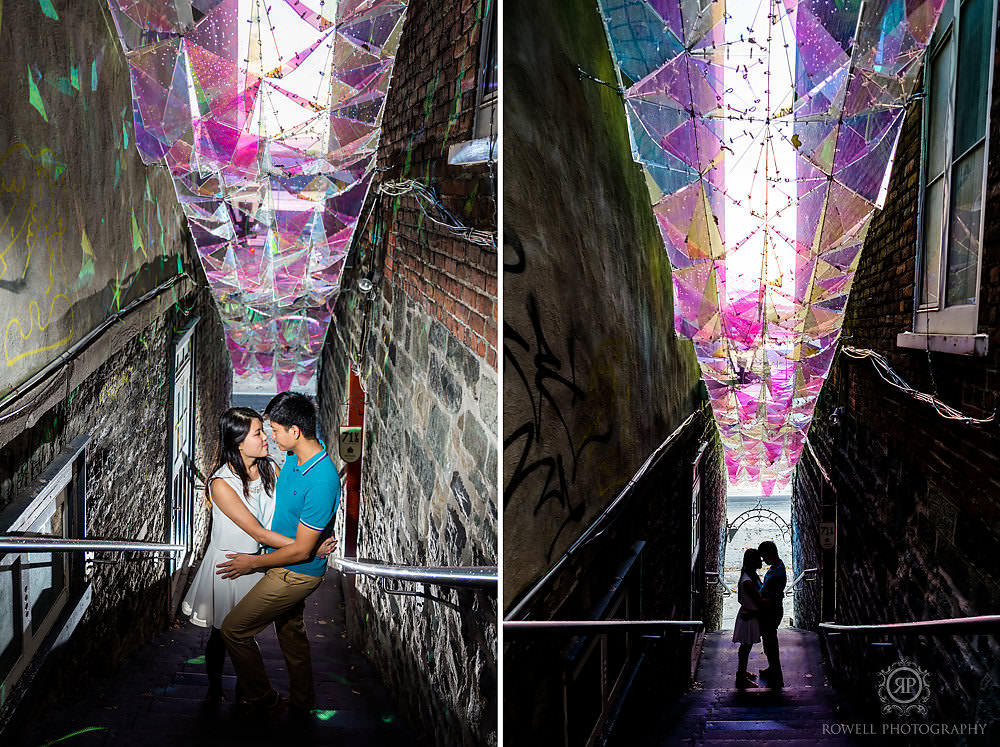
pixel 772 592
pixel 307 494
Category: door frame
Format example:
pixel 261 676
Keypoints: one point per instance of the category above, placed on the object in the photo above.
pixel 179 569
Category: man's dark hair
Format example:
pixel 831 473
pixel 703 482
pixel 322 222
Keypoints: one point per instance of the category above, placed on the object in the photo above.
pixel 291 408
pixel 766 548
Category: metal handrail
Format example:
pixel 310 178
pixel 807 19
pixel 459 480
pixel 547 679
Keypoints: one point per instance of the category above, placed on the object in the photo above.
pixel 16 543
pixel 586 536
pixel 719 581
pixel 575 627
pixel 792 586
pixel 482 577
pixel 971 625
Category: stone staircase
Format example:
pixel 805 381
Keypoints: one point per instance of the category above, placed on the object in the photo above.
pixel 157 697
pixel 715 713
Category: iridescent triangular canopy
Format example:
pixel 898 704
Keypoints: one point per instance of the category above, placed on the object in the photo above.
pixel 767 130
pixel 267 115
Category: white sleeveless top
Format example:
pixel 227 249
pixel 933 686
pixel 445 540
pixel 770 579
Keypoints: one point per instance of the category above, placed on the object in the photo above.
pixel 746 602
pixel 210 597
pixel 226 535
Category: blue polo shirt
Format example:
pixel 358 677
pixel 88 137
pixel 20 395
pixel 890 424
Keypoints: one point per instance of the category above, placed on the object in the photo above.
pixel 308 493
pixel 774 581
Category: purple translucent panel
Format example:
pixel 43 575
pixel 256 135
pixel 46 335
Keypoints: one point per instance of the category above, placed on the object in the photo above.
pixel 267 116
pixel 786 117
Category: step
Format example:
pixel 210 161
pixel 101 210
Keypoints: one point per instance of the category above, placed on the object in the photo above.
pixel 157 696
pixel 810 742
pixel 171 729
pixel 200 678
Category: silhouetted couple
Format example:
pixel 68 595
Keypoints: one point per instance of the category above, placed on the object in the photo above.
pixel 760 614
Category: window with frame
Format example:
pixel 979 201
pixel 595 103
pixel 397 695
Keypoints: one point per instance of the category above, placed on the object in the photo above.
pixel 38 589
pixel 483 146
pixel 957 88
pixel 486 95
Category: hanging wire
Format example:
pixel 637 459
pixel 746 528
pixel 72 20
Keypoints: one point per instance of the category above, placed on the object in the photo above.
pixel 888 375
pixel 435 212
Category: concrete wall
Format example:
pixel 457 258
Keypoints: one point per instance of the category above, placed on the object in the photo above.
pixel 426 346
pixel 594 377
pixel 85 226
pixel 917 496
pixel 72 255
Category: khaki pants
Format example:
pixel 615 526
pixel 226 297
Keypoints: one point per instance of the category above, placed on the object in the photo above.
pixel 279 597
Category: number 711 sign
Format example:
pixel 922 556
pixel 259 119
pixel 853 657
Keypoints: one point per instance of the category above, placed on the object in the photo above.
pixel 827 534
pixel 350 443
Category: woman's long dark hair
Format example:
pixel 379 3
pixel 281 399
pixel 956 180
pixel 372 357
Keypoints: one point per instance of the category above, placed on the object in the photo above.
pixel 234 426
pixel 751 561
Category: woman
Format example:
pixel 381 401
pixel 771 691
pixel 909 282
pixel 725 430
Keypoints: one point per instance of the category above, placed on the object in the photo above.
pixel 241 493
pixel 746 632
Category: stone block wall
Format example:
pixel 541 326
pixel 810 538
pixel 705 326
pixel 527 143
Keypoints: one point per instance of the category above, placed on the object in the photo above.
pixel 88 229
pixel 124 407
pixel 424 341
pixel 917 496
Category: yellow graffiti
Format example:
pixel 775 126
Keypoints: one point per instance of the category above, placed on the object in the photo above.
pixel 33 313
pixel 115 383
pixel 36 193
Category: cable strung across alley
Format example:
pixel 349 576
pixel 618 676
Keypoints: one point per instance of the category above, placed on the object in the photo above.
pixel 889 376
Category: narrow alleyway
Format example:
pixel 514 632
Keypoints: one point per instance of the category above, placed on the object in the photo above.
pixel 715 713
pixel 750 534
pixel 157 697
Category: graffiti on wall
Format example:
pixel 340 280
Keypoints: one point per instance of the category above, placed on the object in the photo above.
pixel 32 267
pixel 554 453
pixel 85 227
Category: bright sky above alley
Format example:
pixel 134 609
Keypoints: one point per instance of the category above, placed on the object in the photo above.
pixel 267 115
pixel 767 129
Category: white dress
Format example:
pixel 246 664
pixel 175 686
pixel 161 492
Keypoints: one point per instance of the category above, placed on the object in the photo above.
pixel 211 596
pixel 746 630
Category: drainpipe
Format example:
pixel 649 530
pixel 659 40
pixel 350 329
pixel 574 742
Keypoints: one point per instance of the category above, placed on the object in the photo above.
pixel 352 499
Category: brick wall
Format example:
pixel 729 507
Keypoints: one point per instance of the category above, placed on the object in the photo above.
pixel 432 105
pixel 917 496
pixel 425 343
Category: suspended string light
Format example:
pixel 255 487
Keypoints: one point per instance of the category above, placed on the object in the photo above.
pixel 767 131
pixel 267 115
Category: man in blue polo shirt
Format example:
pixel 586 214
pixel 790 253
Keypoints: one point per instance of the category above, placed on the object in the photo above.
pixel 307 494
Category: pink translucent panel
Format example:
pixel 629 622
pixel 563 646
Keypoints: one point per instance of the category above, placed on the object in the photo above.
pixel 267 116
pixel 786 115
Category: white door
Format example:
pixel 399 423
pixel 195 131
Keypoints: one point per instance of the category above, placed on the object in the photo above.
pixel 182 468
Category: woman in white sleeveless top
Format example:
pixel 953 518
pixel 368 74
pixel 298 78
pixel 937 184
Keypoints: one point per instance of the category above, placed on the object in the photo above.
pixel 746 632
pixel 241 491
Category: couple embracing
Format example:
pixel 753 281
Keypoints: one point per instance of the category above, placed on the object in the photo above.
pixel 239 591
pixel 760 614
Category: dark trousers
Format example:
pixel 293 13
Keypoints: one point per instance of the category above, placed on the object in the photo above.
pixel 769 641
pixel 215 659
